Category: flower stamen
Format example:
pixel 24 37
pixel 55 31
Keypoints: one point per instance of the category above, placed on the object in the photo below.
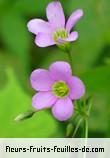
pixel 60 89
pixel 60 34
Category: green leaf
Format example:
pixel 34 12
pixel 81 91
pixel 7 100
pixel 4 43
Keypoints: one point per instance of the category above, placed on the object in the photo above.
pixel 13 101
pixel 97 82
pixel 32 7
pixel 15 37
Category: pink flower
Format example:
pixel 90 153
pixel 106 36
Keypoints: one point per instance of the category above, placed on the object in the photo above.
pixel 55 31
pixel 57 88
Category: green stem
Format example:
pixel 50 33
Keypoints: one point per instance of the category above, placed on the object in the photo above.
pixel 77 127
pixel 70 59
pixel 86 128
pixel 86 135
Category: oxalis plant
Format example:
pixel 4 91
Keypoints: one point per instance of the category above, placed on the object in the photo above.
pixel 57 88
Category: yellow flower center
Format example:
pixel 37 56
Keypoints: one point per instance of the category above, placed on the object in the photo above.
pixel 60 89
pixel 60 34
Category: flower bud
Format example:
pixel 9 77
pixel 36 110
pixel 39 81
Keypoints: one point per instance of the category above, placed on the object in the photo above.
pixel 25 115
pixel 69 129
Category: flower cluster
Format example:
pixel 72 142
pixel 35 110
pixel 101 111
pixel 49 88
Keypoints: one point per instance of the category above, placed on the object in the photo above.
pixel 56 87
pixel 56 30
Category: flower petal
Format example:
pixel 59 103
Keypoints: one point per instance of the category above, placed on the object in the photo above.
pixel 37 25
pixel 75 16
pixel 77 88
pixel 55 14
pixel 43 100
pixel 63 109
pixel 72 37
pixel 44 40
pixel 40 80
pixel 60 70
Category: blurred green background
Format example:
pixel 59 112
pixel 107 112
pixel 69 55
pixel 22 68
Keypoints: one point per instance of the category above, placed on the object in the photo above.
pixel 19 56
